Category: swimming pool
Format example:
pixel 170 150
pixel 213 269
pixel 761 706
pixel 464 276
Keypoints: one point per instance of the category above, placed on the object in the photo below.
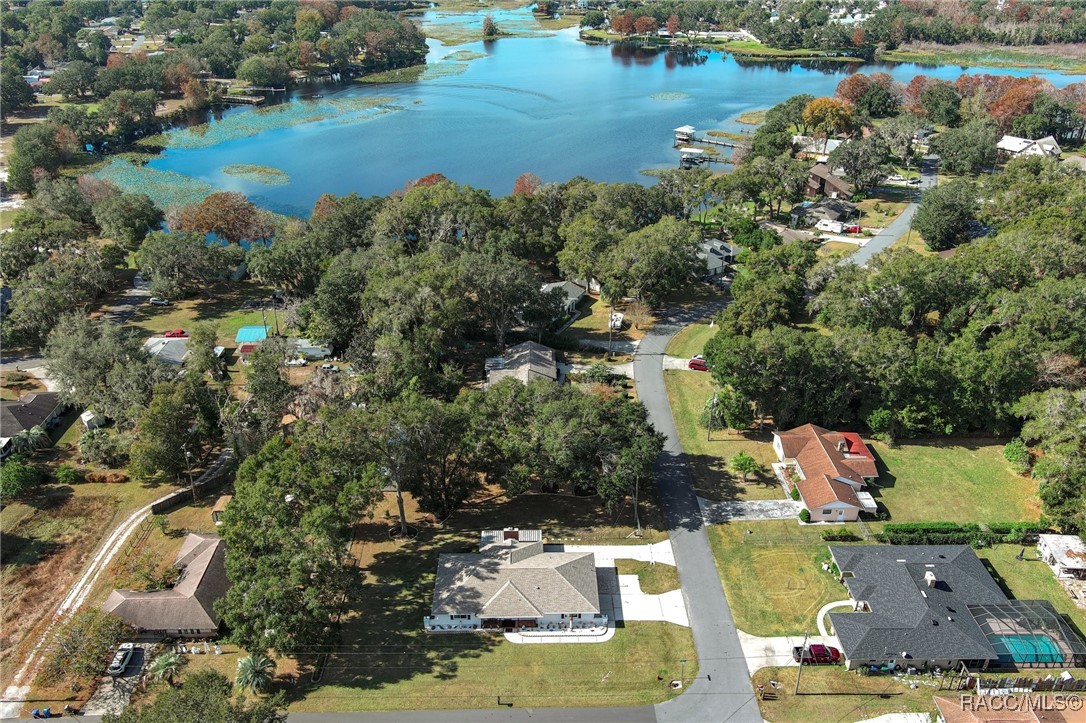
pixel 1026 649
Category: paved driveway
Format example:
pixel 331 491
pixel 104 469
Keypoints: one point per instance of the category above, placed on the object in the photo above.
pixel 621 598
pixel 719 512
pixel 607 554
pixel 776 652
pixel 900 225
pixel 113 694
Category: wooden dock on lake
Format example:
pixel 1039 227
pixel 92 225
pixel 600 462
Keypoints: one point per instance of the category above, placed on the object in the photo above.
pixel 243 99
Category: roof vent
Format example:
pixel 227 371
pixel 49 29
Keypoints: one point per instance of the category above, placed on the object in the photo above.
pixel 929 578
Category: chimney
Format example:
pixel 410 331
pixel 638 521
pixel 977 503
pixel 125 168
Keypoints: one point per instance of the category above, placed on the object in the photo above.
pixel 929 578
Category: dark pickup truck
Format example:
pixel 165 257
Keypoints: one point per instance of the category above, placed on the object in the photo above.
pixel 816 655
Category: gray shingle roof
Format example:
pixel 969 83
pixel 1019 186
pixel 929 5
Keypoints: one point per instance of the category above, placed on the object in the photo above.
pixel 511 579
pixel 31 410
pixel 526 361
pixel 189 604
pixel 927 623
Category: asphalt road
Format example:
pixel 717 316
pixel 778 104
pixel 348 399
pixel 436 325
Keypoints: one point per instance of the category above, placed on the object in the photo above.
pixel 722 690
pixel 900 225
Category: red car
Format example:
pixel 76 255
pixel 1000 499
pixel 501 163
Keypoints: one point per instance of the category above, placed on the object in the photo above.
pixel 176 334
pixel 816 655
pixel 698 365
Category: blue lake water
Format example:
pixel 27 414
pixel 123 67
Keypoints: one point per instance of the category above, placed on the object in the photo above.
pixel 550 105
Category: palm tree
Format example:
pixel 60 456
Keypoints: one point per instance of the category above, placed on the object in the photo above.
pixel 255 673
pixel 166 667
pixel 34 438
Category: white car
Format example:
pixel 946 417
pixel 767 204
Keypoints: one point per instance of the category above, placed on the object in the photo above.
pixel 159 301
pixel 330 368
pixel 121 659
pixel 297 363
pixel 896 178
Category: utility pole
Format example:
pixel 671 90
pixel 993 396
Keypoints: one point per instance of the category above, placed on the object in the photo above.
pixel 682 675
pixel 188 466
pixel 802 652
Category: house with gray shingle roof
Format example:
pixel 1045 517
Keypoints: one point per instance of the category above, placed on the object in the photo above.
pixel 514 583
pixel 188 608
pixel 928 606
pixel 525 361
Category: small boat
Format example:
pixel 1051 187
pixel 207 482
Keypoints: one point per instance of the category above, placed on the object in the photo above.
pixel 314 97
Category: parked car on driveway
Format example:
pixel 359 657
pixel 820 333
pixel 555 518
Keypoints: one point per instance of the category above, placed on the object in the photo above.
pixel 176 334
pixel 121 659
pixel 159 301
pixel 329 368
pixel 698 365
pixel 297 363
pixel 816 655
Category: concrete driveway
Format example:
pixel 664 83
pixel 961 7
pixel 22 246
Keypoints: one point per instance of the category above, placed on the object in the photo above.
pixel 607 554
pixel 720 512
pixel 113 694
pixel 776 652
pixel 621 598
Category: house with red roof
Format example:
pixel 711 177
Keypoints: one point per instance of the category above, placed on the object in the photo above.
pixel 830 470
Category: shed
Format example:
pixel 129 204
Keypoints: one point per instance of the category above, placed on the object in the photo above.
pixel 251 335
pixel 91 420
pixel 220 507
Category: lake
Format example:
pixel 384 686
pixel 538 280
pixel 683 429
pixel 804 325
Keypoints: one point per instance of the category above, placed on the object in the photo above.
pixel 549 105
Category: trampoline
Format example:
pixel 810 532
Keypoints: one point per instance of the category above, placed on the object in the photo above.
pixel 1020 649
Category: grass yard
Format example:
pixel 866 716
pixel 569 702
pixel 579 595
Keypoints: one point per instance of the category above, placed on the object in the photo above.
pixel 913 240
pixel 773 576
pixel 224 310
pixel 691 340
pixel 654 579
pixel 591 325
pixel 708 460
pixel 963 480
pixel 13 385
pixel 831 694
pixel 880 212
pixel 1030 579
pixel 386 661
pixel 837 249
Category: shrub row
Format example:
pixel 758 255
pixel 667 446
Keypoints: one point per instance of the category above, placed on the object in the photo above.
pixel 954 534
pixel 840 536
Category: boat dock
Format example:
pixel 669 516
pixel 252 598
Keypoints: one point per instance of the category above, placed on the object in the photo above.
pixel 690 156
pixel 243 99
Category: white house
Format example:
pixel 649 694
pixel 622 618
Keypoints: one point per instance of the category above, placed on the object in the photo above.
pixel 1015 147
pixel 571 293
pixel 717 255
pixel 830 470
pixel 1065 554
pixel 514 584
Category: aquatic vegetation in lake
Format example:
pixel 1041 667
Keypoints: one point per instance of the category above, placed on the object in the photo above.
pixel 670 96
pixel 464 56
pixel 165 188
pixel 258 174
pixel 397 75
pixel 443 69
pixel 243 125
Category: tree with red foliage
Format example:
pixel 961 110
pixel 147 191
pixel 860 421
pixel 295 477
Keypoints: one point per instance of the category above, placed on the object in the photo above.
pixel 430 179
pixel 853 87
pixel 116 60
pixel 526 184
pixel 328 10
pixel 673 25
pixel 914 92
pixel 859 38
pixel 1016 102
pixel 227 214
pixel 646 25
pixel 347 11
pixel 325 206
pixel 623 24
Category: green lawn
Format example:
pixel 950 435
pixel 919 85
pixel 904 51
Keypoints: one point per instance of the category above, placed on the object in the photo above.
pixel 831 694
pixel 837 249
pixel 772 574
pixel 961 480
pixel 1030 579
pixel 654 579
pixel 708 460
pixel 224 310
pixel 691 340
pixel 591 325
pixel 386 661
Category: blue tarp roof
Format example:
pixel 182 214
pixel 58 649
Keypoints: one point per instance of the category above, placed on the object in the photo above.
pixel 251 335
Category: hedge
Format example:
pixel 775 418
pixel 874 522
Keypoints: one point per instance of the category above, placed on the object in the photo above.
pixel 950 533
